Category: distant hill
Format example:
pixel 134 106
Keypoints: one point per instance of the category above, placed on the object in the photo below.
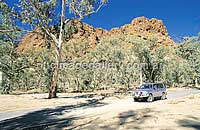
pixel 88 37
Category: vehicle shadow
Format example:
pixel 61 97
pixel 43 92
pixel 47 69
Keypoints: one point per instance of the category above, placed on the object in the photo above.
pixel 145 100
pixel 46 118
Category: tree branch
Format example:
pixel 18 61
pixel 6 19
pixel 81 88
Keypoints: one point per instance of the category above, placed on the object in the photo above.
pixel 81 16
pixel 14 30
pixel 62 24
pixel 53 37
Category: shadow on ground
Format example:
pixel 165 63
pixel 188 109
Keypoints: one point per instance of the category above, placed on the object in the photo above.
pixel 92 95
pixel 48 118
pixel 127 120
pixel 79 96
pixel 190 122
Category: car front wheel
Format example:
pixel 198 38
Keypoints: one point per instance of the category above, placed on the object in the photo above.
pixel 136 100
pixel 150 98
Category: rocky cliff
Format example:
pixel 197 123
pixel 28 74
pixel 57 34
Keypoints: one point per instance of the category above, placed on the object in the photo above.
pixel 146 29
pixel 88 36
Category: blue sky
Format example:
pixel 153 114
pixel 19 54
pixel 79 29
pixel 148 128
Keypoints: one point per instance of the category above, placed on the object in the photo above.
pixel 182 17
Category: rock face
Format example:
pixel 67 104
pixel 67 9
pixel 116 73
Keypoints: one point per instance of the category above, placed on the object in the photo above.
pixel 147 29
pixel 87 33
pixel 84 34
pixel 31 40
pixel 89 36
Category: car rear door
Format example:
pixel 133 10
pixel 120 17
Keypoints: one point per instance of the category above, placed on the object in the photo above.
pixel 161 89
pixel 155 90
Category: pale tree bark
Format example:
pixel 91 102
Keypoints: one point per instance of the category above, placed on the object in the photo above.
pixel 55 75
pixel 196 82
pixel 141 77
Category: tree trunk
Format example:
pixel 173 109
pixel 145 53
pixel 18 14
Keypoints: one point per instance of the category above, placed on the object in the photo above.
pixel 141 77
pixel 196 82
pixel 55 75
pixel 54 79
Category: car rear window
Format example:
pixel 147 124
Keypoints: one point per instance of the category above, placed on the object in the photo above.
pixel 160 86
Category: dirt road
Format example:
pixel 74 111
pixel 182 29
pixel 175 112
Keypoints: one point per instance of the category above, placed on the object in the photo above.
pixel 180 111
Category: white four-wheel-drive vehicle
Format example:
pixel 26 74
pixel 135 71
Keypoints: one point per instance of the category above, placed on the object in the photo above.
pixel 150 91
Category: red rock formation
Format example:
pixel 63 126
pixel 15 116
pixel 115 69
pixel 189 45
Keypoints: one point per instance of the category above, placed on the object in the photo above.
pixel 141 27
pixel 147 29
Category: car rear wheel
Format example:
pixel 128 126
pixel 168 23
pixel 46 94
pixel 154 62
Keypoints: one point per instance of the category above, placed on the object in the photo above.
pixel 150 98
pixel 163 97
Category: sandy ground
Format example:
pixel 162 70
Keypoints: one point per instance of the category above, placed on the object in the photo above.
pixel 179 114
pixel 90 112
pixel 9 103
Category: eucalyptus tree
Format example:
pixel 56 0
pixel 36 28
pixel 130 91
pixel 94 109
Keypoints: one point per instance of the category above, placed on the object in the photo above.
pixel 151 58
pixel 8 56
pixel 190 51
pixel 42 14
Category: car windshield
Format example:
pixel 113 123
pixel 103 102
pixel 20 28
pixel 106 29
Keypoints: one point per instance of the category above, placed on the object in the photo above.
pixel 145 86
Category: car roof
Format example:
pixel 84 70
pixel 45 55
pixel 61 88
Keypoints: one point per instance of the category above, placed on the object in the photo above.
pixel 154 83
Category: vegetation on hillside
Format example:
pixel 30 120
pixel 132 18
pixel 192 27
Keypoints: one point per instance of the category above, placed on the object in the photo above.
pixel 128 56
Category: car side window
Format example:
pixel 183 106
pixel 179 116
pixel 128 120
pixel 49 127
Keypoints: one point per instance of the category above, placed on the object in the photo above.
pixel 161 85
pixel 155 86
pixel 151 86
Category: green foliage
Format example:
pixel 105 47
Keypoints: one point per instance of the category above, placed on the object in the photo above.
pixel 176 66
pixel 37 13
pixel 10 64
pixel 151 59
pixel 24 71
pixel 189 50
pixel 81 8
